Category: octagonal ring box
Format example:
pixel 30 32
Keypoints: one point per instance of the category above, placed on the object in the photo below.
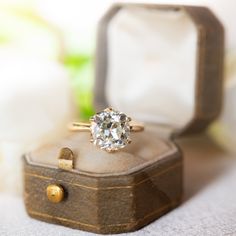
pixel 162 65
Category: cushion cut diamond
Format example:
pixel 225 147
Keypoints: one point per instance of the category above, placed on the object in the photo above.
pixel 110 129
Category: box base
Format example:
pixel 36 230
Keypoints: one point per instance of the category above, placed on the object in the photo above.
pixel 111 229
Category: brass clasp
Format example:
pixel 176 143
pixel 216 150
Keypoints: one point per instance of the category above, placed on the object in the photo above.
pixel 66 159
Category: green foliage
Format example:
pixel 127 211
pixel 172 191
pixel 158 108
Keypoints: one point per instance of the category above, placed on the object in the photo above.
pixel 31 25
pixel 4 39
pixel 81 70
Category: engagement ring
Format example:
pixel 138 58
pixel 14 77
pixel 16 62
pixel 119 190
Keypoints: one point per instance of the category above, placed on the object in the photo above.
pixel 110 129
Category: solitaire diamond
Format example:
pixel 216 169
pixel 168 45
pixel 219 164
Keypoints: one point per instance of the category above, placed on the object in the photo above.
pixel 110 129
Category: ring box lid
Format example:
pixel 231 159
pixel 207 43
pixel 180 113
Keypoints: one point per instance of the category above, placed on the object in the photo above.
pixel 161 64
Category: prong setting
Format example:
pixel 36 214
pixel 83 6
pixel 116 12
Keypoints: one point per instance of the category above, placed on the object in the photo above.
pixel 110 130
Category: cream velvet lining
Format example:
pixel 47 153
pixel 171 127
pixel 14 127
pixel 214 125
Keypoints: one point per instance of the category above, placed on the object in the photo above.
pixel 146 148
pixel 152 64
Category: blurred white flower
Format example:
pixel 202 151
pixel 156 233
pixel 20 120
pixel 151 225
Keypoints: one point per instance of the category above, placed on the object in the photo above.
pixel 35 106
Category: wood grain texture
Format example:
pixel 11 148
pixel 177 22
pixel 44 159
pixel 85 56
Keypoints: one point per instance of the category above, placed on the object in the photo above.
pixel 106 204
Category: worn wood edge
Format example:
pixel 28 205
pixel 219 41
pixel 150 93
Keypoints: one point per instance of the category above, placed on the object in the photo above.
pixel 178 164
pixel 210 51
pixel 107 229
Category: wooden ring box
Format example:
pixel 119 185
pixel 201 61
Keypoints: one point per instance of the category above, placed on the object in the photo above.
pixel 124 191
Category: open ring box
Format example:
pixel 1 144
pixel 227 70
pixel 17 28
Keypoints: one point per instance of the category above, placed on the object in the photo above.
pixel 159 64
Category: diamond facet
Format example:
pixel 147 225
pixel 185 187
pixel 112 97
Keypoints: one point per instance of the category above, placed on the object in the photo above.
pixel 110 129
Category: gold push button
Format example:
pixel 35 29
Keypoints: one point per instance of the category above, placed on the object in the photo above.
pixel 55 193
